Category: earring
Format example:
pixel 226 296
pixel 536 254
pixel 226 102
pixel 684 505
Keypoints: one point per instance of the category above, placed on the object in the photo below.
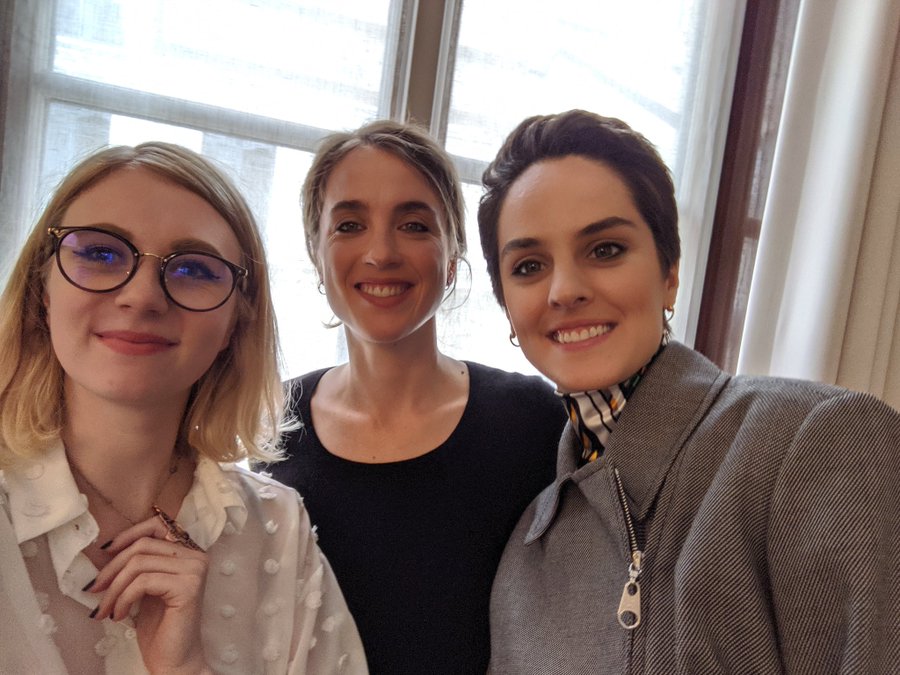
pixel 512 337
pixel 320 286
pixel 668 313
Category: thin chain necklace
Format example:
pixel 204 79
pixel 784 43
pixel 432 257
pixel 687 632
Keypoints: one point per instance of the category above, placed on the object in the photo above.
pixel 152 509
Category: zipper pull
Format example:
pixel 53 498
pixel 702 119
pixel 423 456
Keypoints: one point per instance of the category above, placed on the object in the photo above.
pixel 629 614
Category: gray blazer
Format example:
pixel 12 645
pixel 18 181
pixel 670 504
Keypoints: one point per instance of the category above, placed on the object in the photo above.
pixel 767 512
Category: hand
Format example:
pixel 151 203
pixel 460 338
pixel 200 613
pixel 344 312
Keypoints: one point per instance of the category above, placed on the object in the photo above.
pixel 168 579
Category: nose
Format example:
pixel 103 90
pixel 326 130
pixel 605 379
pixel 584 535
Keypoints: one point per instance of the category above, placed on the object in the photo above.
pixel 569 287
pixel 383 250
pixel 144 290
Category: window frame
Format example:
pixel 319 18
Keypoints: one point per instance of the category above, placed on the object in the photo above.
pixel 749 149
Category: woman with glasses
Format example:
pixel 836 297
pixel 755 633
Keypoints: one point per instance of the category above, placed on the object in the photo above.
pixel 139 361
pixel 699 522
pixel 414 465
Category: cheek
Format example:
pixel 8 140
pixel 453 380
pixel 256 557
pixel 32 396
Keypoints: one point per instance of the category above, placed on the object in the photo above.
pixel 223 330
pixel 332 259
pixel 62 308
pixel 523 306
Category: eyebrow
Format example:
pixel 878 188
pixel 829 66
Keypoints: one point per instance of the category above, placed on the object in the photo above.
pixel 347 205
pixel 186 244
pixel 414 207
pixel 195 245
pixel 525 243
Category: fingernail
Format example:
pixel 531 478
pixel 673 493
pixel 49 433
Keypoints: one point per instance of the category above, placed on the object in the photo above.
pixel 106 545
pixel 88 585
pixel 94 613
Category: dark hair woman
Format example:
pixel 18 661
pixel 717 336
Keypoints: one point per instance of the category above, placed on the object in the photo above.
pixel 698 522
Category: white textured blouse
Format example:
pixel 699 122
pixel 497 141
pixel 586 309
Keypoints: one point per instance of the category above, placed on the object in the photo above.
pixel 271 603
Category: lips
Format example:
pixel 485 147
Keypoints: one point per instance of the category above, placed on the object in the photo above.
pixel 135 343
pixel 581 333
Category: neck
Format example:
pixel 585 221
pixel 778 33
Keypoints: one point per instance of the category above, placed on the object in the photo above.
pixel 107 442
pixel 407 369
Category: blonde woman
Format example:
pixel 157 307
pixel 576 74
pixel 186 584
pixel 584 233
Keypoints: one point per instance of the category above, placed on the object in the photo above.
pixel 139 361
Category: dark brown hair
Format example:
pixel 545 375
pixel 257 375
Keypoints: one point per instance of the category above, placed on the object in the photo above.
pixel 585 134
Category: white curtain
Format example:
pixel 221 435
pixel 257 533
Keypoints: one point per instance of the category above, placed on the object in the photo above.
pixel 826 285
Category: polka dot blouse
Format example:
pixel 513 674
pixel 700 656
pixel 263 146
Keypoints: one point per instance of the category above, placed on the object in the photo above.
pixel 271 602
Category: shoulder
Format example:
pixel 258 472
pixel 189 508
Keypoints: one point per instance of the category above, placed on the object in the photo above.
pixel 260 492
pixel 496 382
pixel 513 418
pixel 807 402
pixel 750 399
pixel 299 444
pixel 302 387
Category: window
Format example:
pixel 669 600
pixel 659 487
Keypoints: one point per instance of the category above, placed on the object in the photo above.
pixel 255 84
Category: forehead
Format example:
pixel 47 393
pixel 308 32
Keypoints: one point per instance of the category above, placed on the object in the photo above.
pixel 152 211
pixel 569 192
pixel 376 176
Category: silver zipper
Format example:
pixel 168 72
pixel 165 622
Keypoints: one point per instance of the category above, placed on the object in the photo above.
pixel 629 612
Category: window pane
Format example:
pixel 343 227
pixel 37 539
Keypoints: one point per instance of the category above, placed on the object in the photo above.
pixel 631 60
pixel 314 62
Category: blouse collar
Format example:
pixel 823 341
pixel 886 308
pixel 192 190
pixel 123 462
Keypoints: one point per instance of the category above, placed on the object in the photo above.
pixel 44 499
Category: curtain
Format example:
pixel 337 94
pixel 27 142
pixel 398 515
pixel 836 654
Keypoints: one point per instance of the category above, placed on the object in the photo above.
pixel 826 284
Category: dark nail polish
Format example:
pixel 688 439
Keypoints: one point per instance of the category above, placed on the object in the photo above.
pixel 106 545
pixel 88 585
pixel 93 613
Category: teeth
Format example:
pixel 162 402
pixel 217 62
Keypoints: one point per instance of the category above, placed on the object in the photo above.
pixel 381 291
pixel 580 334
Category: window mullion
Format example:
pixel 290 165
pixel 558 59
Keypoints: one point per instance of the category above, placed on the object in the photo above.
pixel 443 86
pixel 30 50
pixel 398 59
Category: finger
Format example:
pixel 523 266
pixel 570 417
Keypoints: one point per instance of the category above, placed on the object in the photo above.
pixel 176 591
pixel 186 567
pixel 146 546
pixel 152 527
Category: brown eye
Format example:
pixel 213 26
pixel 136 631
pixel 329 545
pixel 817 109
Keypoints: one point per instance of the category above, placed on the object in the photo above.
pixel 415 227
pixel 527 268
pixel 607 250
pixel 348 226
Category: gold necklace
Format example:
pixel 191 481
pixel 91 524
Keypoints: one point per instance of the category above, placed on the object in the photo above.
pixel 152 509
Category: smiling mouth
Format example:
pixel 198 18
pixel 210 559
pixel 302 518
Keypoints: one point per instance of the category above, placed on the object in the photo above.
pixel 580 334
pixel 135 338
pixel 383 290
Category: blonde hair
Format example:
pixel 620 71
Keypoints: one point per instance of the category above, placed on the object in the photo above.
pixel 236 409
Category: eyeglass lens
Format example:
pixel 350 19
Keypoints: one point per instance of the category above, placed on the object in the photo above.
pixel 99 261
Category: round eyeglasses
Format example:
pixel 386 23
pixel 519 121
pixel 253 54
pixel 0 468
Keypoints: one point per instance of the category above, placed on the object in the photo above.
pixel 99 261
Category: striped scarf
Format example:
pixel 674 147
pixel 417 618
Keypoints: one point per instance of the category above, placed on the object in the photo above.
pixel 594 413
